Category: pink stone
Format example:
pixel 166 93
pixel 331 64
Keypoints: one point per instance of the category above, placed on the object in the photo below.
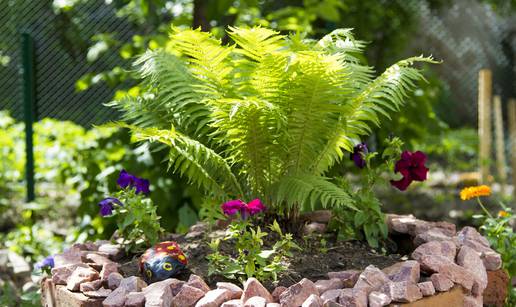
pixel 273 305
pixel 277 292
pixel 470 260
pixel 312 301
pixel 113 280
pixel 116 298
pixel 353 297
pixel 133 284
pixel 159 294
pixel 61 274
pixel 441 283
pixel 214 298
pixel 331 295
pixel 446 249
pixel 296 294
pixel 329 284
pixel 454 272
pixel 98 259
pixel 349 277
pixel 255 301
pixel 79 276
pixel 371 279
pixel 90 285
pixel 187 296
pixel 69 256
pixel 378 299
pixel 107 269
pixel 115 251
pixel 234 290
pixel 233 303
pixel 469 233
pixel 432 234
pixel 135 299
pixel 252 287
pixel 492 260
pixel 86 246
pixel 99 293
pixel 403 271
pixel 402 291
pixel 427 288
pixel 197 282
pixel 470 301
pixel 333 304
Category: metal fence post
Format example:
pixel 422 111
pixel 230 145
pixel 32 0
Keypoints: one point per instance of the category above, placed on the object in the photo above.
pixel 29 104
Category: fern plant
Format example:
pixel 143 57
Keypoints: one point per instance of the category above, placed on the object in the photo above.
pixel 265 116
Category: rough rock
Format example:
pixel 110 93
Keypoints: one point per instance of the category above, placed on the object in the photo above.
pixel 175 285
pixel 86 246
pixel 470 301
pixel 61 274
pixel 492 260
pixel 332 304
pixel 426 288
pixel 197 282
pixel 446 249
pixel 99 293
pixel 331 295
pixel 471 234
pixel 90 285
pixel 371 279
pixel 214 298
pixel 81 275
pixel 296 294
pixel 98 259
pixel 108 269
pixel 273 305
pixel 470 260
pixel 233 303
pixel 408 224
pixel 378 299
pixel 252 287
pixel 159 294
pixel 70 256
pixel 17 264
pixel 115 251
pixel 314 227
pixel 135 299
pixel 356 297
pixel 329 284
pixel 348 277
pixel 403 271
pixel 255 301
pixel 440 282
pixel 432 234
pixel 496 291
pixel 442 265
pixel 402 291
pixel 116 298
pixel 187 296
pixel 67 298
pixel 234 290
pixel 113 280
pixel 313 301
pixel 133 284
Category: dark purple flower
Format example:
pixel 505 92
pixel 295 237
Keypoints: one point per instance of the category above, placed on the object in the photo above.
pixel 45 263
pixel 412 167
pixel 106 205
pixel 358 155
pixel 233 206
pixel 126 180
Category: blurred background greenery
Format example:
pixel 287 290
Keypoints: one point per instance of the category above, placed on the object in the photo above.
pixel 76 163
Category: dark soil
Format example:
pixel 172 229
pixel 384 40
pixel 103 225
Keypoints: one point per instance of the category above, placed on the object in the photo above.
pixel 314 261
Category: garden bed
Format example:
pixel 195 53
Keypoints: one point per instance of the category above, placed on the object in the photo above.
pixel 446 268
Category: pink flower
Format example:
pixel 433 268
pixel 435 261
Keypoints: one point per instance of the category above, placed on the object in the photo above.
pixel 412 167
pixel 231 207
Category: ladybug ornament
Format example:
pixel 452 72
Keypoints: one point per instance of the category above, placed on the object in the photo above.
pixel 164 260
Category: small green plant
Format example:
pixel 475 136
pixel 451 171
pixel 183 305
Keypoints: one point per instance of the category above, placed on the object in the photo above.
pixel 135 214
pixel 498 231
pixel 249 259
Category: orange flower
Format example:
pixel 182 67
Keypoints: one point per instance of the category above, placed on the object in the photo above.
pixel 503 213
pixel 477 191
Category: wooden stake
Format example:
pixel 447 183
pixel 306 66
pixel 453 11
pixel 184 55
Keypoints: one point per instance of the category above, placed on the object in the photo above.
pixel 484 122
pixel 501 163
pixel 512 140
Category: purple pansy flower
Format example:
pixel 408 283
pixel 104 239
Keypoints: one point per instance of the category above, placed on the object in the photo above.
pixel 106 205
pixel 358 154
pixel 233 206
pixel 412 167
pixel 48 262
pixel 126 180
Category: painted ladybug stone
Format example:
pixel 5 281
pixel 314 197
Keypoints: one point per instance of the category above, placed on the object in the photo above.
pixel 164 260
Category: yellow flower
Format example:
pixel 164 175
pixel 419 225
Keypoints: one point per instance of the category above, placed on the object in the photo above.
pixel 470 192
pixel 503 213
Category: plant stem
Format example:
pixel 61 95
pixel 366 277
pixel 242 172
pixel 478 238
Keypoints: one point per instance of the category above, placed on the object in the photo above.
pixel 483 208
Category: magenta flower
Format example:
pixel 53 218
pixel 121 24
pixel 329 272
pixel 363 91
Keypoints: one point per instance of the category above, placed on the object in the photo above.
pixel 126 179
pixel 358 154
pixel 412 167
pixel 231 207
pixel 107 205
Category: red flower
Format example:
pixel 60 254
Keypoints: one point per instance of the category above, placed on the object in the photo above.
pixel 412 167
pixel 233 206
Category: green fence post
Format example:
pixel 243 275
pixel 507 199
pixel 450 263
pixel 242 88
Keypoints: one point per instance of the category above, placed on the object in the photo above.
pixel 29 103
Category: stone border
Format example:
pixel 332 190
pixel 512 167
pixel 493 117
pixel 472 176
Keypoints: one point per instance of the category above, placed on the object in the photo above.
pixel 447 268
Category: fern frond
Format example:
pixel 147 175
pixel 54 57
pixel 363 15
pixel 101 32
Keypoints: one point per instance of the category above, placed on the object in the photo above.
pixel 308 191
pixel 342 41
pixel 199 164
pixel 256 42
